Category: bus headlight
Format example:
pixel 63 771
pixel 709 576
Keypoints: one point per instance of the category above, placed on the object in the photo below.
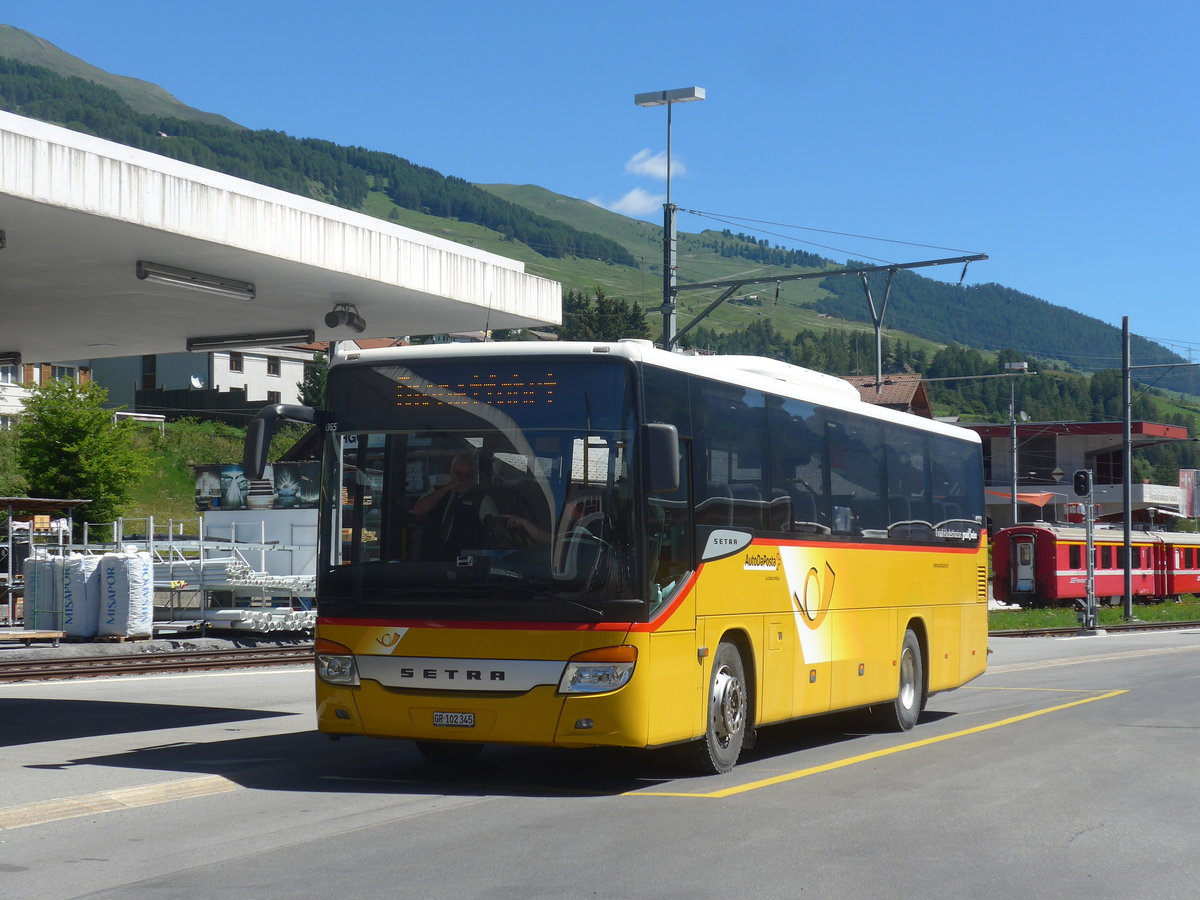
pixel 335 663
pixel 596 671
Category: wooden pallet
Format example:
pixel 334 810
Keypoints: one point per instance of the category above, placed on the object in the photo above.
pixel 113 638
pixel 30 636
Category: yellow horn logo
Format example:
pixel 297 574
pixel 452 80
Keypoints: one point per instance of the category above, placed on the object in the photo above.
pixel 817 597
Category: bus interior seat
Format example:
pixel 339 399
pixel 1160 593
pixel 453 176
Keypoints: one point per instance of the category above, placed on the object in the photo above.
pixel 946 512
pixel 911 531
pixel 898 510
pixel 779 511
pixel 868 514
pixel 717 506
pixel 746 505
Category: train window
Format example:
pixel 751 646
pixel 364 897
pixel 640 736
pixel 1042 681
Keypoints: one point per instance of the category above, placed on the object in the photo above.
pixel 1189 557
pixel 1025 554
pixel 1106 557
pixel 1074 557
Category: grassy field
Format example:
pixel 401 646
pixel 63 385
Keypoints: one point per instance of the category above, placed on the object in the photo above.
pixel 1187 610
pixel 643 284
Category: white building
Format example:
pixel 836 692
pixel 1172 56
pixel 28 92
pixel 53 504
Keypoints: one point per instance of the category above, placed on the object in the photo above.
pixel 1048 453
pixel 14 381
pixel 266 375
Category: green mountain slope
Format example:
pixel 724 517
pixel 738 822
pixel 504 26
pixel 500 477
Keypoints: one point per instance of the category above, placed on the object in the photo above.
pixel 987 316
pixel 578 243
pixel 321 169
pixel 140 95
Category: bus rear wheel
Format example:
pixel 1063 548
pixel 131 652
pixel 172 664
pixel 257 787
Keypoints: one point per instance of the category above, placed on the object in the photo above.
pixel 727 713
pixel 449 754
pixel 902 713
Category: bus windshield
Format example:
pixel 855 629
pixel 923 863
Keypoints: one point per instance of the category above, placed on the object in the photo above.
pixel 491 491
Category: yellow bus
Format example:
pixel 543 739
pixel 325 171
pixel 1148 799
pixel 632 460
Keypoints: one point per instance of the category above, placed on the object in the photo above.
pixel 606 544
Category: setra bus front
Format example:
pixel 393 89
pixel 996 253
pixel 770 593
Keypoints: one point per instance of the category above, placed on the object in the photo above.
pixel 480 549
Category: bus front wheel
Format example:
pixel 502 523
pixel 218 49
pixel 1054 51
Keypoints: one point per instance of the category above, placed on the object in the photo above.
pixel 902 713
pixel 727 713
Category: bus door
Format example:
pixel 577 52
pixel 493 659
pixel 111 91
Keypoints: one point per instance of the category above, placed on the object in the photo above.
pixel 1023 572
pixel 674 639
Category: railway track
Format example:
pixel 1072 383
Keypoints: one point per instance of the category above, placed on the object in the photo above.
pixel 1123 627
pixel 52 669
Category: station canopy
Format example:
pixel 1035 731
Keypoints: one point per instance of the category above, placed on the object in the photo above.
pixel 78 214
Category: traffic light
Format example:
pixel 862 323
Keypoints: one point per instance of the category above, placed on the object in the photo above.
pixel 1082 481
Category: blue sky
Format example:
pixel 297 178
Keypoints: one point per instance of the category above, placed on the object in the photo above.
pixel 1057 137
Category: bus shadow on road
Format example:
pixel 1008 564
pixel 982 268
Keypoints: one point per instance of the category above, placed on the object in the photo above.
pixel 309 762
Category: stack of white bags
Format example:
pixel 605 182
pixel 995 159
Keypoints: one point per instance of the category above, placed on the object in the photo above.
pixel 86 596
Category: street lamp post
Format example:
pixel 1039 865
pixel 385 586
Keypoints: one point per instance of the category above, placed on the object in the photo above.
pixel 1023 368
pixel 669 99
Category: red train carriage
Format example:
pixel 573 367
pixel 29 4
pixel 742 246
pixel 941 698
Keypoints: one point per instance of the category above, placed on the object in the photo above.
pixel 1046 565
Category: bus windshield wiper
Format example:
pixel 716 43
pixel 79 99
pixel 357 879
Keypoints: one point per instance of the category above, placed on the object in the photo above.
pixel 528 592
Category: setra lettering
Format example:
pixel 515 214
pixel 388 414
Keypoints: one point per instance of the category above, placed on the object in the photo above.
pixel 410 673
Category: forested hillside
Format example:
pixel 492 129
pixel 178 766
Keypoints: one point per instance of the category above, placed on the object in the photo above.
pixel 311 167
pixel 991 317
pixel 819 324
pixel 141 95
pixel 1052 394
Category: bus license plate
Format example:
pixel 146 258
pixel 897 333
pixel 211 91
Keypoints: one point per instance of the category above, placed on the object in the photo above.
pixel 454 719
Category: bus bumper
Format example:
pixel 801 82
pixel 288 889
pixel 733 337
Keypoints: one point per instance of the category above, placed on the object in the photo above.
pixel 540 717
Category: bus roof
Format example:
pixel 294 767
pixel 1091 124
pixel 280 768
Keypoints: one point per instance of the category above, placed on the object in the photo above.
pixel 761 373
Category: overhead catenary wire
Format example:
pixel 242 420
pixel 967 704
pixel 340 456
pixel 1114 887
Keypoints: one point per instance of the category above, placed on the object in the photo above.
pixel 722 217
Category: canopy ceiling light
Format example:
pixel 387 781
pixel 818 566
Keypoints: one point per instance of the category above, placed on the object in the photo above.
pixel 345 314
pixel 261 339
pixel 196 281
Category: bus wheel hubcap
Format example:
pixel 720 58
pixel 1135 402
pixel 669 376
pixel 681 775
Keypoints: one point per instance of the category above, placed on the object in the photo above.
pixel 908 680
pixel 729 707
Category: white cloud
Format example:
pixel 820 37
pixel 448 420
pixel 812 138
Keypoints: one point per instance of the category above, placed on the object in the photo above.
pixel 653 165
pixel 636 203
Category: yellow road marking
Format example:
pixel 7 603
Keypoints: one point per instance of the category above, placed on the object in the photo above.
pixel 865 757
pixel 45 811
pixel 974 687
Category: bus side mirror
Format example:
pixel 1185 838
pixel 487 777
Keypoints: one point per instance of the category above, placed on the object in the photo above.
pixel 660 458
pixel 261 429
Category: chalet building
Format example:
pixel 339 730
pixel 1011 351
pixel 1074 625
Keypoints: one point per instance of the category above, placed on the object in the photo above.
pixel 1048 454
pixel 15 381
pixel 905 393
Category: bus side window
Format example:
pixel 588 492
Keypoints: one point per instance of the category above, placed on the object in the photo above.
pixel 796 466
pixel 730 452
pixel 856 471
